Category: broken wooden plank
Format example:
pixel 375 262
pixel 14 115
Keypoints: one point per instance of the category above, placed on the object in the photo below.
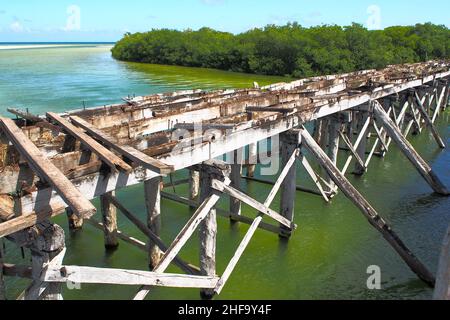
pixel 25 115
pixel 104 154
pixel 125 150
pixel 47 171
pixel 25 221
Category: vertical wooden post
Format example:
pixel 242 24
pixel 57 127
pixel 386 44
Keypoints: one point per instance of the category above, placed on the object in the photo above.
pixel 317 130
pixel 109 215
pixel 152 189
pixel 236 171
pixel 323 142
pixel 408 150
pixel 48 244
pixel 2 282
pixel 289 142
pixel 333 148
pixel 208 227
pixel 75 222
pixel 442 290
pixel 194 184
pixel 349 125
pixel 252 159
pixel 362 117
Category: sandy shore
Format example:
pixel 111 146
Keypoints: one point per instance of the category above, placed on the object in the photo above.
pixel 44 46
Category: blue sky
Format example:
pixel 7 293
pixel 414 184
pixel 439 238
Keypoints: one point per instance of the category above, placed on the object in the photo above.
pixel 103 20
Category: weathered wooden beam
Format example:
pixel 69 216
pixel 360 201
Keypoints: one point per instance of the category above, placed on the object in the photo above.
pixel 208 227
pixel 113 161
pixel 93 275
pixel 12 270
pixel 442 290
pixel 287 181
pixel 125 150
pixel 222 187
pixel 235 177
pixel 46 170
pixel 152 191
pixel 334 128
pixel 368 211
pixel 428 121
pixel 25 115
pixel 408 150
pixel 269 109
pixel 363 117
pixel 204 126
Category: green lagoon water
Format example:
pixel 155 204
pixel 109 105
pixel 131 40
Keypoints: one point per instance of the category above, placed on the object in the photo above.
pixel 326 258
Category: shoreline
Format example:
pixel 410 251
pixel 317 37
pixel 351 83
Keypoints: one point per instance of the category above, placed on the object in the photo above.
pixel 48 46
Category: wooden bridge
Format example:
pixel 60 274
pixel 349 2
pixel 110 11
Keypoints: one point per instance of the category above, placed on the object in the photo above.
pixel 57 163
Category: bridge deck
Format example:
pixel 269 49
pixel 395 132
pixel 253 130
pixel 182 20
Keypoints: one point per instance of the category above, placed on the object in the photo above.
pixel 102 149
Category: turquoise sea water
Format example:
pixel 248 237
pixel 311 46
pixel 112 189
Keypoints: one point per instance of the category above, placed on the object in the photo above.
pixel 326 258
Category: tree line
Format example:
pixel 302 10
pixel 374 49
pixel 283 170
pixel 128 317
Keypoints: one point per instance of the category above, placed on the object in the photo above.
pixel 289 50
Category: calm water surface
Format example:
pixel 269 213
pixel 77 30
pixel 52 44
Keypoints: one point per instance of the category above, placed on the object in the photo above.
pixel 328 255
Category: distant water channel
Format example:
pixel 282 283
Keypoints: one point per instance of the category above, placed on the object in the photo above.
pixel 326 258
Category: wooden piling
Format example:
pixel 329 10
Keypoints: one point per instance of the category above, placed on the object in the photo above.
pixel 194 184
pixel 208 227
pixel 408 150
pixel 47 248
pixel 290 142
pixel 75 221
pixel 252 159
pixel 333 138
pixel 152 189
pixel 369 212
pixel 235 177
pixel 109 216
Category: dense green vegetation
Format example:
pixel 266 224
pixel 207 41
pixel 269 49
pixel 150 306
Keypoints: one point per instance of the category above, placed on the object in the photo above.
pixel 290 50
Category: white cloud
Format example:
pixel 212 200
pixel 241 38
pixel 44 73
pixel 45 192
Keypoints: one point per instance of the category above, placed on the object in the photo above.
pixel 16 26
